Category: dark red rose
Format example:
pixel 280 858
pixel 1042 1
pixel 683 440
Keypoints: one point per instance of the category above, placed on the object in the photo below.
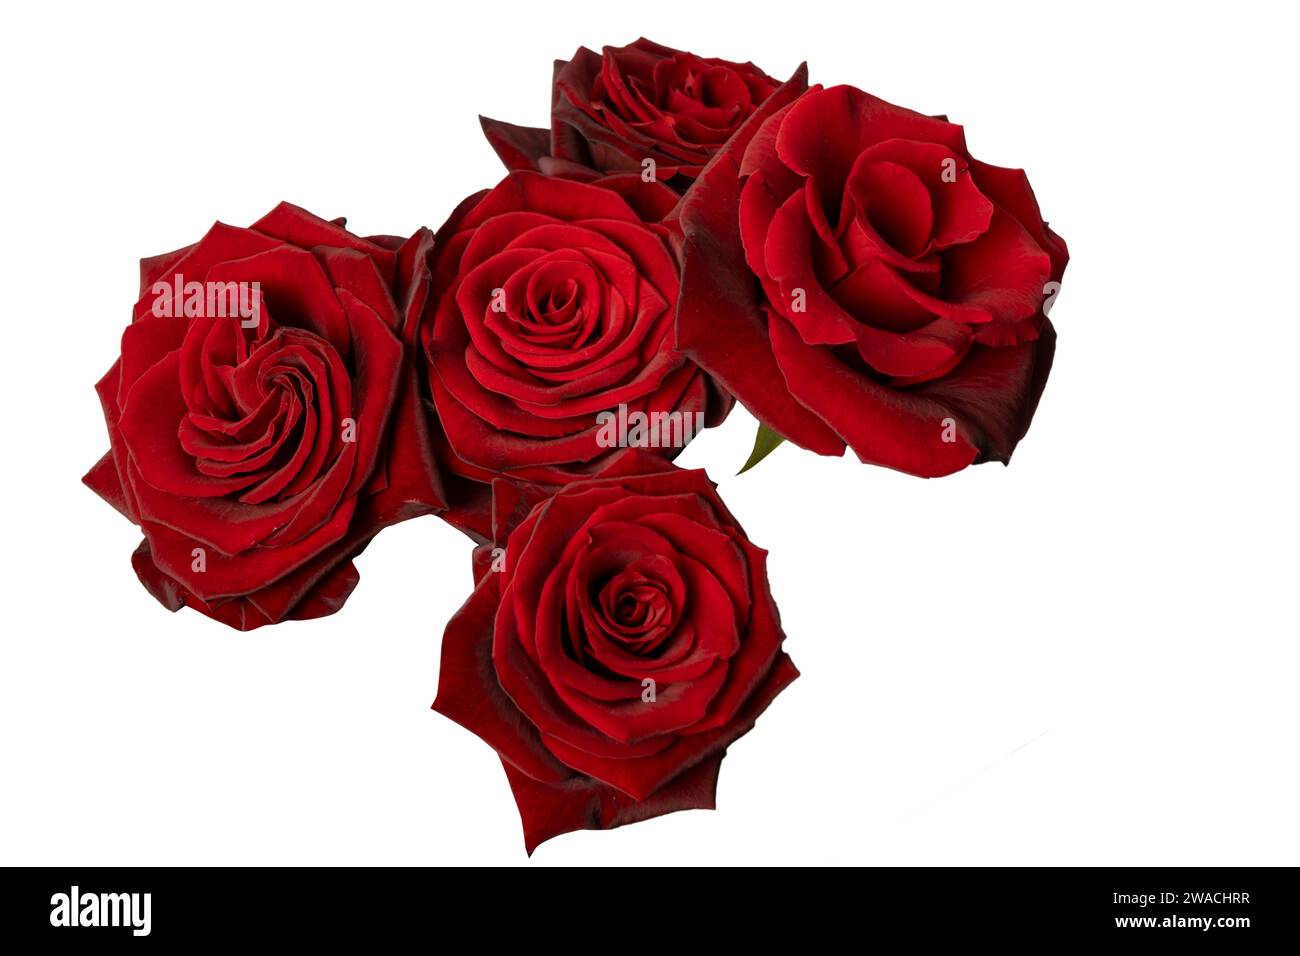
pixel 902 285
pixel 251 415
pixel 553 313
pixel 612 111
pixel 620 637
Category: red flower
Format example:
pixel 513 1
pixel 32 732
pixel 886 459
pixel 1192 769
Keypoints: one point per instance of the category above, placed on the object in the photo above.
pixel 614 110
pixel 902 285
pixel 621 636
pixel 553 305
pixel 250 411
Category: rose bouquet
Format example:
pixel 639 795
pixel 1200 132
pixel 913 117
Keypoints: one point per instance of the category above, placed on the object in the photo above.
pixel 687 232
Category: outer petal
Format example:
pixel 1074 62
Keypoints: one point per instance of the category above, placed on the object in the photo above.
pixel 642 776
pixel 105 482
pixel 469 693
pixel 324 597
pixel 994 392
pixel 720 324
pixel 1010 189
pixel 519 147
pixel 409 483
pixel 883 426
pixel 297 226
pixel 548 810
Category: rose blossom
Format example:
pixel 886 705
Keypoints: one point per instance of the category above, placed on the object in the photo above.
pixel 251 410
pixel 636 108
pixel 620 637
pixel 552 310
pixel 854 252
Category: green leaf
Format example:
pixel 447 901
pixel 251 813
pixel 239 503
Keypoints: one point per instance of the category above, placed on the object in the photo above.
pixel 765 443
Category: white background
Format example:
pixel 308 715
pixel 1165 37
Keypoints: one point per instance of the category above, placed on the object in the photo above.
pixel 1088 657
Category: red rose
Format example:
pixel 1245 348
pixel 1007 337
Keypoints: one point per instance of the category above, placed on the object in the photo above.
pixel 620 637
pixel 552 315
pixel 902 285
pixel 612 111
pixel 250 411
